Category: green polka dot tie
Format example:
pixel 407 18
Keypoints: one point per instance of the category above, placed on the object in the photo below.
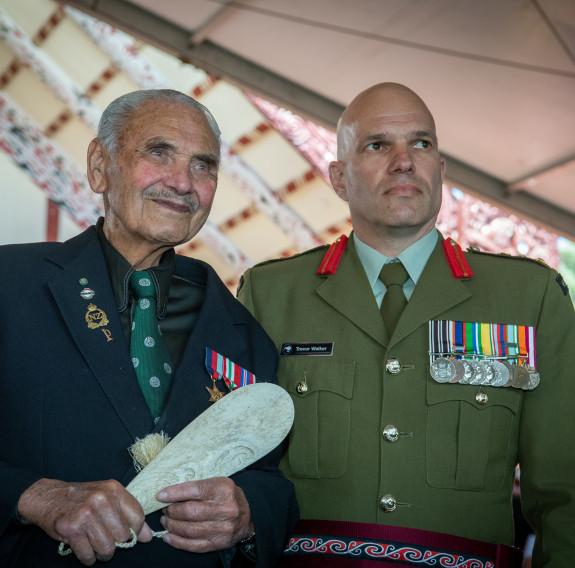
pixel 147 346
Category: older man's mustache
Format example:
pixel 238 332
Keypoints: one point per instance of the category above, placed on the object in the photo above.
pixel 152 193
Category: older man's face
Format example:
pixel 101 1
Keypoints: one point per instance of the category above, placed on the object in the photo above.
pixel 160 186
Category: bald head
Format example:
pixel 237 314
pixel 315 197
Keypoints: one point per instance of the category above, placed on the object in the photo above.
pixel 388 168
pixel 380 97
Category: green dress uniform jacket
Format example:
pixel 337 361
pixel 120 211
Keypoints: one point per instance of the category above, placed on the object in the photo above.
pixel 452 467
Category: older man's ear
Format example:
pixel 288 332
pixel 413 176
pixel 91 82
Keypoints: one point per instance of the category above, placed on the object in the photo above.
pixel 96 166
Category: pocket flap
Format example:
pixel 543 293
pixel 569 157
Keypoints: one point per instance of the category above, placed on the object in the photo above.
pixel 318 374
pixel 496 396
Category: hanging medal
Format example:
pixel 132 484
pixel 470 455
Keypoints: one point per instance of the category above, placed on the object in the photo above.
pixel 220 367
pixel 483 354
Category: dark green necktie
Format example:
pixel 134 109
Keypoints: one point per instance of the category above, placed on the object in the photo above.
pixel 150 355
pixel 394 276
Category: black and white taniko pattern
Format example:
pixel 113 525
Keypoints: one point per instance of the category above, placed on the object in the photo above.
pixel 384 551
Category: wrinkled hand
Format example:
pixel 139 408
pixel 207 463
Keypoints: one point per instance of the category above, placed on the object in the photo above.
pixel 206 515
pixel 90 517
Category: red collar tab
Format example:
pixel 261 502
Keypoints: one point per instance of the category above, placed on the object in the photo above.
pixel 456 259
pixel 333 256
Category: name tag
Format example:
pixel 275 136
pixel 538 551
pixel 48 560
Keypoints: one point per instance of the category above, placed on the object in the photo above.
pixel 291 349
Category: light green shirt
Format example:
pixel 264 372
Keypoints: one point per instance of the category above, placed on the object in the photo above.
pixel 414 258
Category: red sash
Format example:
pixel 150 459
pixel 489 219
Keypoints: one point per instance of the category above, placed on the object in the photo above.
pixel 337 544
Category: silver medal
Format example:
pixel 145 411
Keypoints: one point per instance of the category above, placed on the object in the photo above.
pixel 478 373
pixel 488 372
pixel 533 378
pixel 442 370
pixel 459 370
pixel 501 374
pixel 512 373
pixel 467 373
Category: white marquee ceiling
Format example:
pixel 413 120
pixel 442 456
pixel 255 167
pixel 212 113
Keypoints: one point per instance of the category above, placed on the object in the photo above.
pixel 499 75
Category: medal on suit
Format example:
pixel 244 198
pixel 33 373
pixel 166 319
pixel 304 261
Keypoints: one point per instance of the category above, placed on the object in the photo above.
pixel 215 393
pixel 220 367
pixel 483 354
pixel 443 370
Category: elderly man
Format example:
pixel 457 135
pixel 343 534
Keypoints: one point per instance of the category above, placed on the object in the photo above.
pixel 421 375
pixel 78 387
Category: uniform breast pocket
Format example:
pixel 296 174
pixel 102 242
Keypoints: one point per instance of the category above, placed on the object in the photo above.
pixel 321 390
pixel 471 446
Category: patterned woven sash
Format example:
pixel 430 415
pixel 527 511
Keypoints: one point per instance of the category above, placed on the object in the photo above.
pixel 336 544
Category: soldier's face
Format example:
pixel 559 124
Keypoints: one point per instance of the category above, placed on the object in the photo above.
pixel 391 172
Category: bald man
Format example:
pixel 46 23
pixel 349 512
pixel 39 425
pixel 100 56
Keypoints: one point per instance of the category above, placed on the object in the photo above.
pixel 417 394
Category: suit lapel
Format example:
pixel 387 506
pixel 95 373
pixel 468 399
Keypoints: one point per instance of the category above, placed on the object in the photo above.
pixel 436 292
pixel 216 327
pixel 104 348
pixel 348 291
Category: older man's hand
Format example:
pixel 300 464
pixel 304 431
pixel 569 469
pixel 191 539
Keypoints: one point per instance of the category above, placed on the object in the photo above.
pixel 90 517
pixel 206 515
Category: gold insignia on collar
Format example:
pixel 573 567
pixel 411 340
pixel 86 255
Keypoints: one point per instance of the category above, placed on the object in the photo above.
pixel 95 317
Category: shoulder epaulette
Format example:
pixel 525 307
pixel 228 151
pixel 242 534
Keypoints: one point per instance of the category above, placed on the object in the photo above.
pixel 539 261
pixel 288 258
pixel 456 259
pixel 333 256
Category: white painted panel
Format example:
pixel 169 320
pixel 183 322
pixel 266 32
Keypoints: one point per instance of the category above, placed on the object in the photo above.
pixel 23 209
pixel 67 227
pixel 235 115
pixel 275 160
pixel 30 15
pixel 88 61
pixel 318 205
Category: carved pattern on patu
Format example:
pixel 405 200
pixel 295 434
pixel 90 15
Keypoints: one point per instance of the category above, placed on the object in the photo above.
pixel 233 433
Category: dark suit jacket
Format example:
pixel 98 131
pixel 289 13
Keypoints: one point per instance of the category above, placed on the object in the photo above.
pixel 70 404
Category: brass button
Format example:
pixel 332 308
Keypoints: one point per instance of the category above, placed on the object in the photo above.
pixel 481 398
pixel 391 433
pixel 393 366
pixel 301 387
pixel 388 503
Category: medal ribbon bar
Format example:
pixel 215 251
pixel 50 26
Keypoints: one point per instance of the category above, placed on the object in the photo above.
pixel 233 374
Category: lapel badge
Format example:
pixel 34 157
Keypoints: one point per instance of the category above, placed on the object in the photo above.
pixel 87 293
pixel 95 317
pixel 83 281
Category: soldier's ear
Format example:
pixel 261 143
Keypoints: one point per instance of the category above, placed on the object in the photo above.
pixel 337 178
pixel 97 166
